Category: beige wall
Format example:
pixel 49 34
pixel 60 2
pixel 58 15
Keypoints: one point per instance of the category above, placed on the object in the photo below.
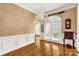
pixel 15 20
pixel 72 14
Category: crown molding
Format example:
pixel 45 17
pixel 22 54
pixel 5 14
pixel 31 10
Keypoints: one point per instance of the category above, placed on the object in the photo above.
pixel 26 8
pixel 62 9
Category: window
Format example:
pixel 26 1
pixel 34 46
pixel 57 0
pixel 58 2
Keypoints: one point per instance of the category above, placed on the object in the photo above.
pixel 55 27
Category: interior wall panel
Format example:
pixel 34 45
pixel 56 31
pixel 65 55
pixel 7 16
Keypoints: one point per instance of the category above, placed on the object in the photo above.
pixel 15 20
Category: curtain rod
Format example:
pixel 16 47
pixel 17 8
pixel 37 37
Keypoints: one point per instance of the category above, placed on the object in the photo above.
pixel 56 13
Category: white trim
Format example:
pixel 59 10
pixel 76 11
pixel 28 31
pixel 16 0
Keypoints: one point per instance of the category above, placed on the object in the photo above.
pixel 77 41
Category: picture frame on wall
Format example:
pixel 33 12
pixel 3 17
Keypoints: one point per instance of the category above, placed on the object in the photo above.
pixel 68 23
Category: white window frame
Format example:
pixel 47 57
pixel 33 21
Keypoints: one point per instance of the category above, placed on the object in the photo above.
pixel 52 19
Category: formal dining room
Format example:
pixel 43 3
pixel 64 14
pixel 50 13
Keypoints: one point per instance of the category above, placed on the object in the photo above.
pixel 39 29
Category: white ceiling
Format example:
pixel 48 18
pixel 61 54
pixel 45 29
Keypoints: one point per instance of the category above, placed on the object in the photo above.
pixel 36 7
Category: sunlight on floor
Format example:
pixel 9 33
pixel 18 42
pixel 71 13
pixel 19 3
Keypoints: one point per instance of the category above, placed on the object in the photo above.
pixel 78 54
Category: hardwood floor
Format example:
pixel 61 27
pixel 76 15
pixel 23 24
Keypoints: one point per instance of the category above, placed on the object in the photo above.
pixel 44 48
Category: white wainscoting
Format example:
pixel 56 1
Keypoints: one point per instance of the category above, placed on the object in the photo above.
pixel 10 43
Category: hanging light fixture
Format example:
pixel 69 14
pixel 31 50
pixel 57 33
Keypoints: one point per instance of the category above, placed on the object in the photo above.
pixel 42 16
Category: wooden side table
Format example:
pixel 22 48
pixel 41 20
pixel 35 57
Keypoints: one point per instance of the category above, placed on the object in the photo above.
pixel 69 36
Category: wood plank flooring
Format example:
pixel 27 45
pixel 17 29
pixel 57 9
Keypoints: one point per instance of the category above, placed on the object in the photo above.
pixel 44 48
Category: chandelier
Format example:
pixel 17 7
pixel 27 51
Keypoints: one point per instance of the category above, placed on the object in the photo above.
pixel 42 16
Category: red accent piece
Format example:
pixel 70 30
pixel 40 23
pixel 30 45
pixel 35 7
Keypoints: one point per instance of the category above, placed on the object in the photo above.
pixel 69 36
